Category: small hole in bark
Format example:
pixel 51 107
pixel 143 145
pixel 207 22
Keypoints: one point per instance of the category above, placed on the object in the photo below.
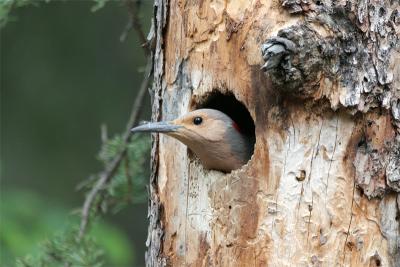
pixel 361 143
pixel 301 175
pixel 395 17
pixel 375 260
pixel 237 111
pixel 230 207
pixel 382 12
pixel 350 245
pixel 318 3
pixel 361 190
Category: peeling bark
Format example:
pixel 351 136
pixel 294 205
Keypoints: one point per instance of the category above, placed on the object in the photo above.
pixel 322 187
pixel 376 159
pixel 154 242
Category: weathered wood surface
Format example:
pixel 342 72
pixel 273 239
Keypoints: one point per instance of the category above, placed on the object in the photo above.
pixel 322 187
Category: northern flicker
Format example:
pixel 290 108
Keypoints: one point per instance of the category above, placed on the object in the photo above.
pixel 211 134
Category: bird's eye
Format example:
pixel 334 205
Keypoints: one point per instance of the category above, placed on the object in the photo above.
pixel 197 120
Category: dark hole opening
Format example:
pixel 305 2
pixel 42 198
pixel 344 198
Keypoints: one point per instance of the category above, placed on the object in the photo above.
pixel 382 12
pixel 237 111
pixel 362 143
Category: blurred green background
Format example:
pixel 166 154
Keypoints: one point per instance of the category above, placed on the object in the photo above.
pixel 64 72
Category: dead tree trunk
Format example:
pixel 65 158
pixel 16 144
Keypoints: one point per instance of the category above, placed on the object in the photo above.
pixel 321 81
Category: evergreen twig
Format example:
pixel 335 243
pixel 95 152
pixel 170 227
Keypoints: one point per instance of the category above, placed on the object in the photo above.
pixel 112 168
pixel 134 23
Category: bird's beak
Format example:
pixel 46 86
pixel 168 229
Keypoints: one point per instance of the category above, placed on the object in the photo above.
pixel 157 127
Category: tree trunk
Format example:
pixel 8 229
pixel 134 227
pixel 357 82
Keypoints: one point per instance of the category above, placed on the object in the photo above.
pixel 321 80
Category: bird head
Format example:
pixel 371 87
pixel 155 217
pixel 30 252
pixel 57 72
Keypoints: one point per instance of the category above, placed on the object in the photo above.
pixel 211 134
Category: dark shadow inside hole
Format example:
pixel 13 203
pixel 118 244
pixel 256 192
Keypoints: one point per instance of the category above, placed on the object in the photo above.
pixel 237 111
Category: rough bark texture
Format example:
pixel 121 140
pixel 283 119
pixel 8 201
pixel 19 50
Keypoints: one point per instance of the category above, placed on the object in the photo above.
pixel 156 227
pixel 321 80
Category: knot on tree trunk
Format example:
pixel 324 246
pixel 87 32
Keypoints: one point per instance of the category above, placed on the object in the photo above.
pixel 359 53
pixel 294 60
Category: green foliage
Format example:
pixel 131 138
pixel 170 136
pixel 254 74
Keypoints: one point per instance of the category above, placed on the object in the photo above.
pixel 65 250
pixel 118 250
pixel 27 219
pixel 6 6
pixel 128 186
